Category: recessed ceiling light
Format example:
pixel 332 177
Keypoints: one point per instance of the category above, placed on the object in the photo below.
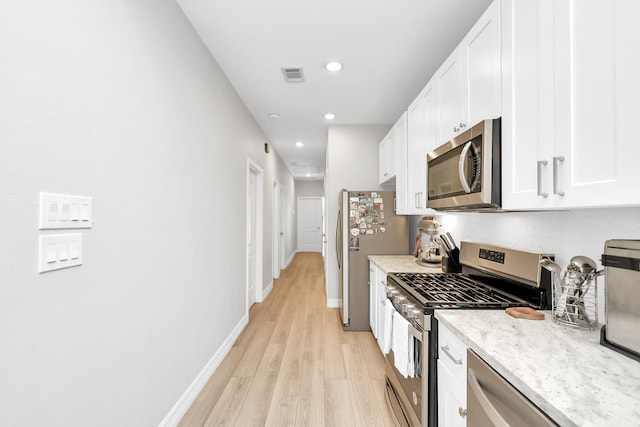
pixel 333 66
pixel 273 115
pixel 299 144
pixel 329 116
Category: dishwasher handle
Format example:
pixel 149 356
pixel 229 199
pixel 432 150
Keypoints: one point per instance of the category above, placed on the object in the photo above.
pixel 485 404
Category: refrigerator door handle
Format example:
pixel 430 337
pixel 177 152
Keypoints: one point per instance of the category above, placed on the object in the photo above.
pixel 339 240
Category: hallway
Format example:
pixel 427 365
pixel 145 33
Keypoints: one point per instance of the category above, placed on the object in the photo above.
pixel 293 365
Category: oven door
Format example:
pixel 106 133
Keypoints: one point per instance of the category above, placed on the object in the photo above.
pixel 405 396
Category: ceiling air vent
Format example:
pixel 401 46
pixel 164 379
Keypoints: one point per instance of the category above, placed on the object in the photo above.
pixel 293 75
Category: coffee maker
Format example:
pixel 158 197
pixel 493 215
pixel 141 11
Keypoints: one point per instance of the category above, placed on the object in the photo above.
pixel 431 252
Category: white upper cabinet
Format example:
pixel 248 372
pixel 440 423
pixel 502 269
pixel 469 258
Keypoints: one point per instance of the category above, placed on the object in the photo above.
pixel 422 137
pixel 452 96
pixel 469 84
pixel 400 143
pixel 527 102
pixel 570 79
pixel 387 159
pixel 482 59
pixel 596 91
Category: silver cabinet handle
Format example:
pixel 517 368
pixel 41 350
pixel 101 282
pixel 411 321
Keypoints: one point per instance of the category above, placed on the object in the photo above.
pixel 462 125
pixel 395 204
pixel 415 200
pixel 456 128
pixel 462 412
pixel 540 164
pixel 491 412
pixel 556 166
pixel 447 351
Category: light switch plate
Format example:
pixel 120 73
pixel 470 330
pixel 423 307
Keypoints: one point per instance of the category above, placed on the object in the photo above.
pixel 60 251
pixel 61 211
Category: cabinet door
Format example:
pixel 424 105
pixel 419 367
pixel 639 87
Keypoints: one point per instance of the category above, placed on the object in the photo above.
pixel 527 99
pixel 381 294
pixel 596 92
pixel 387 158
pixel 481 50
pixel 452 399
pixel 422 137
pixel 400 143
pixel 373 299
pixel 452 96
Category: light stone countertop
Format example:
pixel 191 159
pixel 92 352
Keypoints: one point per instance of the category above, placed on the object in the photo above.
pixel 564 371
pixel 401 264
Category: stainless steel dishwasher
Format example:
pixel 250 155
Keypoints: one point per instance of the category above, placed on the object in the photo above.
pixel 492 401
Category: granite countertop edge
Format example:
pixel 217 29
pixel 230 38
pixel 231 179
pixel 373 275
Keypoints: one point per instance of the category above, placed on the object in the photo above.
pixel 564 371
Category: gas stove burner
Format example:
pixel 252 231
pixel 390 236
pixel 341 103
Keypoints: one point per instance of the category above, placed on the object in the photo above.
pixel 442 290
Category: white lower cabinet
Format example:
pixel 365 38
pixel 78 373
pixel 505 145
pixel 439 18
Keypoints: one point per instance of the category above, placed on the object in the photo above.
pixel 452 379
pixel 373 299
pixel 452 399
pixel 381 295
pixel 377 295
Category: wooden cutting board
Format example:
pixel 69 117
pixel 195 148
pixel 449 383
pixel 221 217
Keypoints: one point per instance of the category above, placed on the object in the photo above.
pixel 525 313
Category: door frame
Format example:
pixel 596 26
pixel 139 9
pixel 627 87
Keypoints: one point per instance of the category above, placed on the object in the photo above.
pixel 259 231
pixel 278 226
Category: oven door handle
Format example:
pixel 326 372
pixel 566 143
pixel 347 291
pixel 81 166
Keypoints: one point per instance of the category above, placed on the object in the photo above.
pixel 490 410
pixel 415 332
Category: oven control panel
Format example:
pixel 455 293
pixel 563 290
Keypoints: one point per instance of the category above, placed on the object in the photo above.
pixel 490 255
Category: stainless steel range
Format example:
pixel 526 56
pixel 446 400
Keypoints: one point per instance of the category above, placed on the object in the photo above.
pixel 492 277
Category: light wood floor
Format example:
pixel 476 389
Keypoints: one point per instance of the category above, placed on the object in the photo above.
pixel 293 365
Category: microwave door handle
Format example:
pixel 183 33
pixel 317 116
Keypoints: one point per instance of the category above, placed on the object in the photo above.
pixel 462 167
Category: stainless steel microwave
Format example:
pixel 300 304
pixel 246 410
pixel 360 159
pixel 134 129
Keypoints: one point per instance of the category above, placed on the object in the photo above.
pixel 465 173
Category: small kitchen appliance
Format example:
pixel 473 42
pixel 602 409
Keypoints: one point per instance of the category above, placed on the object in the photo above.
pixel 492 277
pixel 621 260
pixel 465 173
pixel 431 253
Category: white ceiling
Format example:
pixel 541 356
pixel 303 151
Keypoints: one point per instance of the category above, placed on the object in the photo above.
pixel 389 49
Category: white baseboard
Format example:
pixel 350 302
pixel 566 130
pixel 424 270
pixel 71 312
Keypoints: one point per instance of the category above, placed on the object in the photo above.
pixel 334 303
pixel 266 291
pixel 290 259
pixel 186 400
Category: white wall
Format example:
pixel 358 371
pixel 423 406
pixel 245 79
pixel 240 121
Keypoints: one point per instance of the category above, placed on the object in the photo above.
pixel 563 233
pixel 119 100
pixel 309 188
pixel 352 164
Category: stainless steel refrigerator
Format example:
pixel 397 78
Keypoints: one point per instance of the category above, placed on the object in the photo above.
pixel 367 225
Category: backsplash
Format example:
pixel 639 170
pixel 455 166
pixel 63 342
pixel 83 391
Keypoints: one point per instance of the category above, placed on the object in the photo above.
pixel 563 233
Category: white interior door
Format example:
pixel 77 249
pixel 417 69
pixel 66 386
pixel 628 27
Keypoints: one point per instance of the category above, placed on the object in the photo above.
pixel 254 232
pixel 251 237
pixel 309 224
pixel 275 253
pixel 283 228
